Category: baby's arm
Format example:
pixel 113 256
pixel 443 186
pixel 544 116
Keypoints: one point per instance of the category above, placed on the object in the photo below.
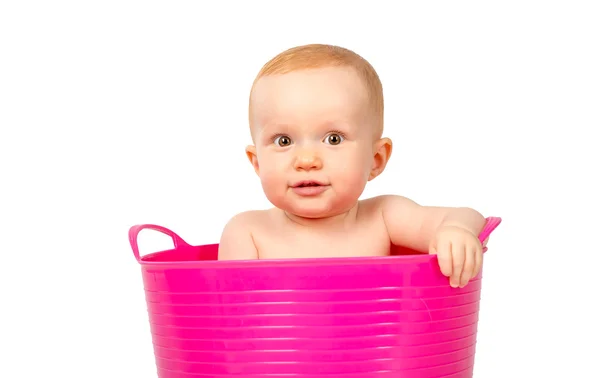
pixel 236 240
pixel 450 232
pixel 414 226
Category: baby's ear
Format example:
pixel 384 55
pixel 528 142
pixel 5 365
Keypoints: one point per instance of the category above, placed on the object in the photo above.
pixel 251 153
pixel 383 151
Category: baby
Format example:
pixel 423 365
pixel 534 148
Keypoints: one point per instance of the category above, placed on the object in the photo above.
pixel 316 121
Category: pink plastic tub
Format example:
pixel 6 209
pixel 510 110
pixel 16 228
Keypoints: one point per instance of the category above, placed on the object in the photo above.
pixel 370 317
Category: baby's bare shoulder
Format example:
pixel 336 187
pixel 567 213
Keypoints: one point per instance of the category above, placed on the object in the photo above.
pixel 379 203
pixel 237 238
pixel 249 220
pixel 376 207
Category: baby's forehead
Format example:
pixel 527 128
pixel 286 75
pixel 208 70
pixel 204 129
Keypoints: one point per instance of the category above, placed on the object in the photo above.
pixel 308 94
pixel 312 114
pixel 310 99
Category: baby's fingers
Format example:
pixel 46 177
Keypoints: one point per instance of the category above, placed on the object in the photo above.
pixel 467 272
pixel 444 255
pixel 478 262
pixel 458 263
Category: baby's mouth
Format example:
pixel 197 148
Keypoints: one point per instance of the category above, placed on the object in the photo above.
pixel 307 184
pixel 309 188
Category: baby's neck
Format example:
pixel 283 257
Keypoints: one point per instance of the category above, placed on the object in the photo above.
pixel 338 221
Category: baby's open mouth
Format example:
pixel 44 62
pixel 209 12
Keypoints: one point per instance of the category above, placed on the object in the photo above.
pixel 305 184
pixel 309 188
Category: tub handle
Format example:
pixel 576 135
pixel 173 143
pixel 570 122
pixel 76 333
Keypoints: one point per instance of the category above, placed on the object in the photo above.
pixel 135 230
pixel 490 225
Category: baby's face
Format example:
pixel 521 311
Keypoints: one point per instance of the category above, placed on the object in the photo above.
pixel 314 140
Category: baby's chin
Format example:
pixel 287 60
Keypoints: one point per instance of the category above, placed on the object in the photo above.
pixel 307 212
pixel 310 214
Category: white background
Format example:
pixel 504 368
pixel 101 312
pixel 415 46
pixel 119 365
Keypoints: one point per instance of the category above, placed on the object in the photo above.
pixel 116 113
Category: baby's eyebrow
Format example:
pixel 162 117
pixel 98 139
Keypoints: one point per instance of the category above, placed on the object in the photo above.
pixel 339 125
pixel 274 126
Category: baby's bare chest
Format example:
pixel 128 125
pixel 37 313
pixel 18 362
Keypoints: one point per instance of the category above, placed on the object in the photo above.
pixel 302 243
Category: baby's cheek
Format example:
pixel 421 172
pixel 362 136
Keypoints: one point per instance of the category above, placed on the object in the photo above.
pixel 268 179
pixel 354 170
pixel 353 183
pixel 273 184
pixel 350 183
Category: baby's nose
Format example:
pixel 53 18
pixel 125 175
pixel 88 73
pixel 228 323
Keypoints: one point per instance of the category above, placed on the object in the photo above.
pixel 307 160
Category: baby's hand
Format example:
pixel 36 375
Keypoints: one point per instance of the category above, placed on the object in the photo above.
pixel 460 254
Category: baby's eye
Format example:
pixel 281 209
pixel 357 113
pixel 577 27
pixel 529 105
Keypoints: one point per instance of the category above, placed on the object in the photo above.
pixel 334 139
pixel 283 141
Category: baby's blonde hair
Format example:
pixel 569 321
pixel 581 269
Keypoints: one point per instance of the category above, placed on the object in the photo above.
pixel 321 56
